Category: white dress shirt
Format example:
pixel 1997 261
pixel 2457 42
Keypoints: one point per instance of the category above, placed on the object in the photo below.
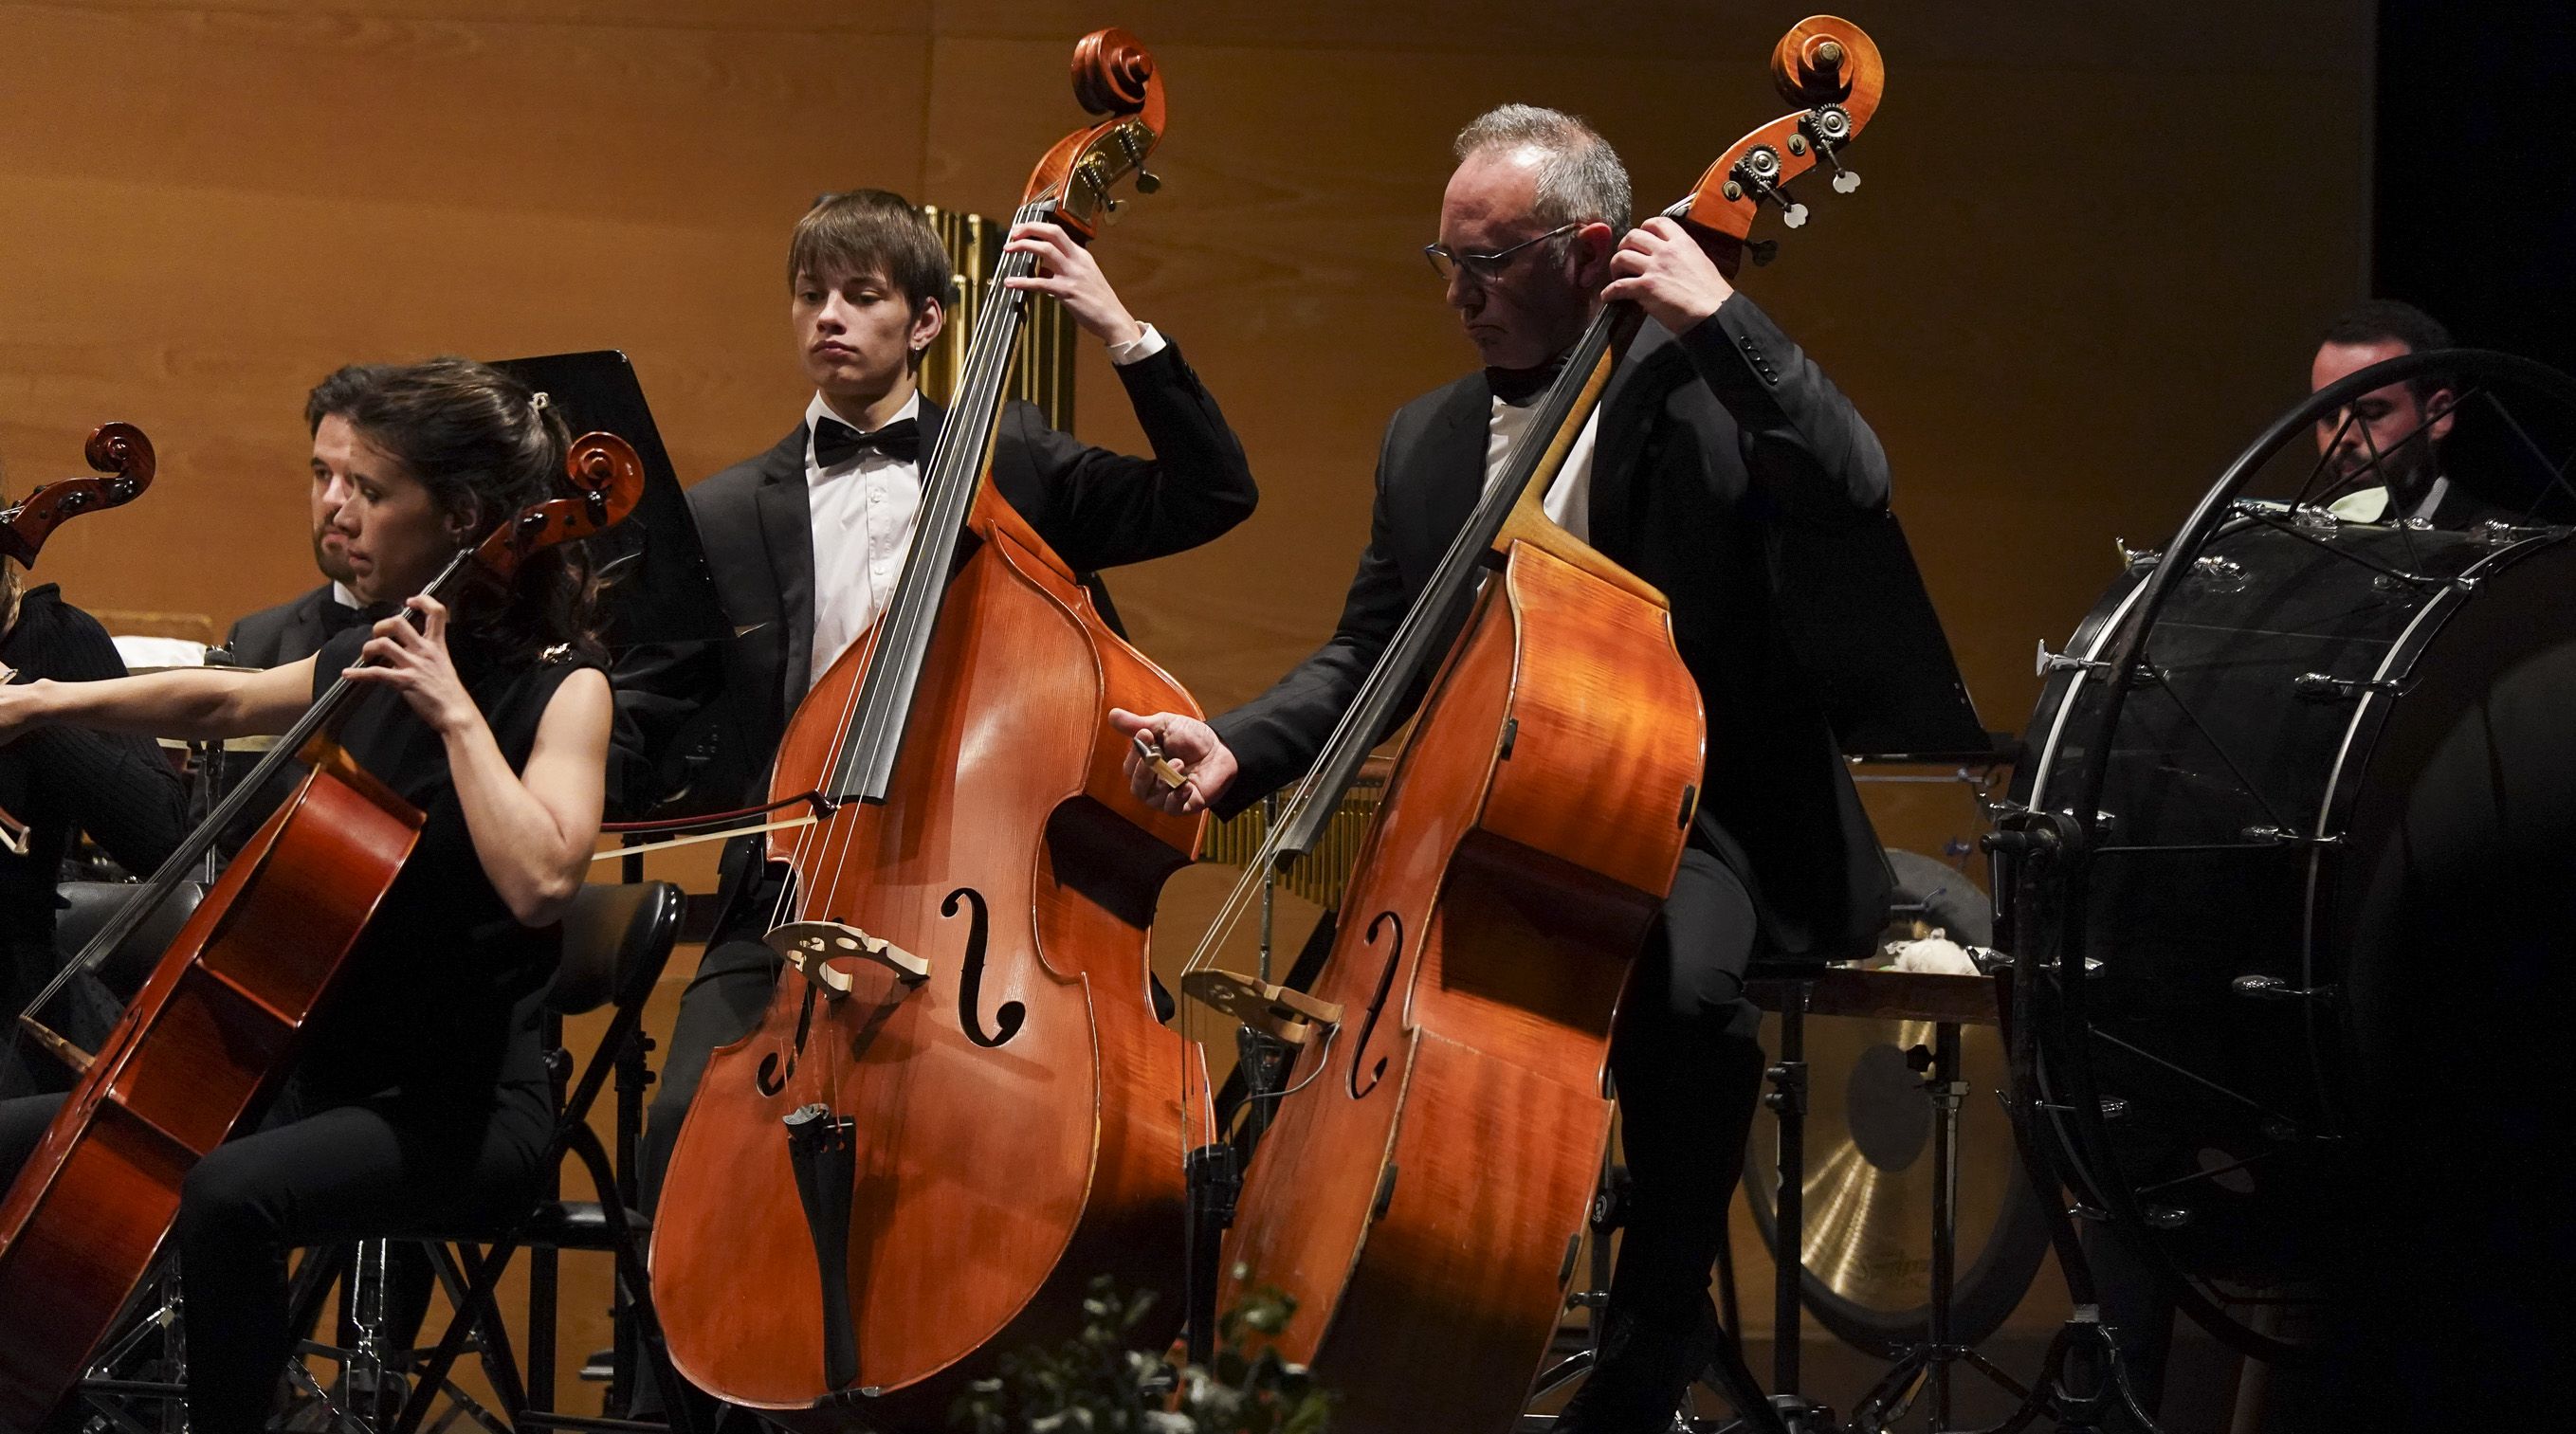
pixel 1569 498
pixel 2370 505
pixel 863 511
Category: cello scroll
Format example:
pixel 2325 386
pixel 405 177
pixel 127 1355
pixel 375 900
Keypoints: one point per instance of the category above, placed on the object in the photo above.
pixel 117 449
pixel 609 481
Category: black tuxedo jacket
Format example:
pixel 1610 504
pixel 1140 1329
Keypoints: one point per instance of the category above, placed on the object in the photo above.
pixel 275 636
pixel 1096 508
pixel 1711 447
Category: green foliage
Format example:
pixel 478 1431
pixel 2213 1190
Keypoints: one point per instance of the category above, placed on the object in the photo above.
pixel 1097 1383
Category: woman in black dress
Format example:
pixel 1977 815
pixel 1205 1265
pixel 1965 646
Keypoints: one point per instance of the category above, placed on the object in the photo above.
pixel 420 1097
pixel 57 781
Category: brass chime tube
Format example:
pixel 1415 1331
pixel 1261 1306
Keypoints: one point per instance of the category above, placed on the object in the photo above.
pixel 1042 370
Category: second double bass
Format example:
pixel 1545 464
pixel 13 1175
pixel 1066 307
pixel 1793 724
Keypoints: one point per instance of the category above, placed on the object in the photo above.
pixel 959 1105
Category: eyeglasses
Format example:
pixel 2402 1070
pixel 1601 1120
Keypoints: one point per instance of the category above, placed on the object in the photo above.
pixel 1485 268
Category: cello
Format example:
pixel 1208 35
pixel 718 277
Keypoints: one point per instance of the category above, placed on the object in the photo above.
pixel 119 450
pixel 960 1103
pixel 206 1041
pixel 1422 1188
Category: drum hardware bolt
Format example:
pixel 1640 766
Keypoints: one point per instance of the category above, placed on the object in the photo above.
pixel 2283 836
pixel 2326 687
pixel 2136 560
pixel 2087 1212
pixel 2113 1107
pixel 2049 662
pixel 2221 575
pixel 2166 1217
pixel 2315 519
pixel 2273 988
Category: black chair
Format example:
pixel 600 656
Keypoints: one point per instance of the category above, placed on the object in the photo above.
pixel 83 909
pixel 616 941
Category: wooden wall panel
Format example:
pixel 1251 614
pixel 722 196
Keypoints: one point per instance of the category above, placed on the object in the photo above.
pixel 2091 253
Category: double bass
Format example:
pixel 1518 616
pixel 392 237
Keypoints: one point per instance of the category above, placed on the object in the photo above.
pixel 960 1103
pixel 1422 1188
pixel 205 1042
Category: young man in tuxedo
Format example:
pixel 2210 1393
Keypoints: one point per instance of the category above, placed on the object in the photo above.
pixel 1715 432
pixel 807 541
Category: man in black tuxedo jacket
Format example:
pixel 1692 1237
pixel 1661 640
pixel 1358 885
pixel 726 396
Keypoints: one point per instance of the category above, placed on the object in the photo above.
pixel 1715 434
pixel 295 630
pixel 2384 451
pixel 806 540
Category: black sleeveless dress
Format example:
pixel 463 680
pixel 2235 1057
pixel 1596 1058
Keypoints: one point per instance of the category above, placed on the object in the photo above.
pixel 439 997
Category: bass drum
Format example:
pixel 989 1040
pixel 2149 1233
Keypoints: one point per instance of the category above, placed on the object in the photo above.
pixel 1868 1187
pixel 2330 867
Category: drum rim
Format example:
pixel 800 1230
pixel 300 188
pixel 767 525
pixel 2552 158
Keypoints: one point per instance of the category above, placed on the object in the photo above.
pixel 2079 1135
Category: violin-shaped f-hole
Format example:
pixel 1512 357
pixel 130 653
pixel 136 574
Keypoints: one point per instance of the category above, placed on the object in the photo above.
pixel 1377 1004
pixel 970 978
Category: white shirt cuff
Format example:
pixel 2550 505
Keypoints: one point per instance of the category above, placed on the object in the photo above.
pixel 1139 348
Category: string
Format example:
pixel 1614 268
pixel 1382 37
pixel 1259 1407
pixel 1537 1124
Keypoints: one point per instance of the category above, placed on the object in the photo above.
pixel 954 475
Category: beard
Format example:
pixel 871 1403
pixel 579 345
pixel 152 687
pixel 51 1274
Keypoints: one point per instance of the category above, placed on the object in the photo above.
pixel 333 562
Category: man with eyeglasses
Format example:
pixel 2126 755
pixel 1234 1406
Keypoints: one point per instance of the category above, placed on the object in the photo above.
pixel 1715 434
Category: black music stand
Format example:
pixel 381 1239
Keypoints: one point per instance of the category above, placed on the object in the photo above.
pixel 1854 608
pixel 659 588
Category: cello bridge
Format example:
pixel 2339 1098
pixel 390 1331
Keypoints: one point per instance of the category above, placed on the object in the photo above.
pixel 811 947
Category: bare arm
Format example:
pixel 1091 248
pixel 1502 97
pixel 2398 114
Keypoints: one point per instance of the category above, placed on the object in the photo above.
pixel 194 704
pixel 533 829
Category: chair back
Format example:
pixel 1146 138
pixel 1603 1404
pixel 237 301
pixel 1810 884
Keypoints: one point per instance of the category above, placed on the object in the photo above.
pixel 614 937
pixel 86 907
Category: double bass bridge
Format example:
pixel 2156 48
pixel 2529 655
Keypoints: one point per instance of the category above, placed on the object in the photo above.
pixel 812 946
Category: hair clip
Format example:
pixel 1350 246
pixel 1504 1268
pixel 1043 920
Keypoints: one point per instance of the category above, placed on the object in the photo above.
pixel 542 401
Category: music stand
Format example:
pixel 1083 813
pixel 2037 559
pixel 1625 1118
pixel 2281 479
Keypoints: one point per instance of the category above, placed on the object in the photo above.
pixel 659 588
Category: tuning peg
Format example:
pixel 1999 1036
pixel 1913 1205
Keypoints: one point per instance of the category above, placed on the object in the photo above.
pixel 1830 126
pixel 1759 172
pixel 1845 180
pixel 1148 182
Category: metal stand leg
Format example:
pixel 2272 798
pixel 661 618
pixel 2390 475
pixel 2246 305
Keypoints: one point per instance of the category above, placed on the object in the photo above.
pixel 1787 1099
pixel 1925 1368
pixel 2083 1381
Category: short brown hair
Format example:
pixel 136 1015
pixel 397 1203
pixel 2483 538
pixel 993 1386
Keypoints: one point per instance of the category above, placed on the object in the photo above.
pixel 871 231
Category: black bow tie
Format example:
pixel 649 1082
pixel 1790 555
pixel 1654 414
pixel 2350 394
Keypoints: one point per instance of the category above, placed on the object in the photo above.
pixel 1517 386
pixel 338 616
pixel 836 442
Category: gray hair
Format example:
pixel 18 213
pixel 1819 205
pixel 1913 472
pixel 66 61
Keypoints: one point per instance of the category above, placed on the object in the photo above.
pixel 1579 176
